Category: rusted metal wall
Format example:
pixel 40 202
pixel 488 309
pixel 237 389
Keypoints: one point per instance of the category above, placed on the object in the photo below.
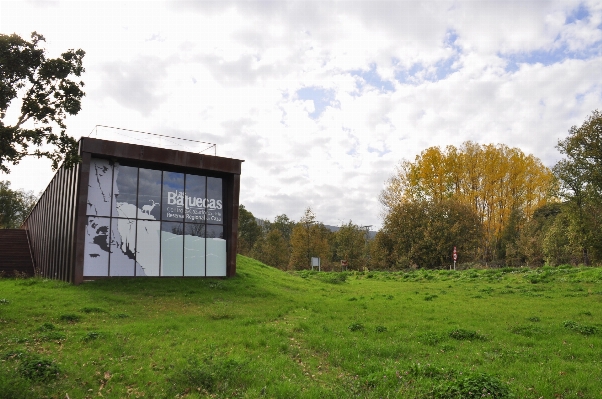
pixel 51 226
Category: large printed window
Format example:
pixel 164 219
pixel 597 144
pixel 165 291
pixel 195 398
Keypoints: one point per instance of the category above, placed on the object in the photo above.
pixel 144 222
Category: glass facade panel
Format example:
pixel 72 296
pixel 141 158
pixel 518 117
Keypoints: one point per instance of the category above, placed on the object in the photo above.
pixel 173 196
pixel 148 248
pixel 216 251
pixel 163 223
pixel 149 194
pixel 195 201
pixel 125 187
pixel 99 188
pixel 194 250
pixel 172 246
pixel 96 247
pixel 123 247
pixel 215 211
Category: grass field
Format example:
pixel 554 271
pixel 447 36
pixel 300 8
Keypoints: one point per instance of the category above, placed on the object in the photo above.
pixel 423 334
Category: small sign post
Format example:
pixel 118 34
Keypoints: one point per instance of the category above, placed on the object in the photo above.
pixel 315 262
pixel 455 257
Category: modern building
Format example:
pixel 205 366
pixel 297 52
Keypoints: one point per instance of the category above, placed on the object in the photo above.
pixel 137 211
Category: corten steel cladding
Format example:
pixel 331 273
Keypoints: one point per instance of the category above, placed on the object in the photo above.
pixel 132 210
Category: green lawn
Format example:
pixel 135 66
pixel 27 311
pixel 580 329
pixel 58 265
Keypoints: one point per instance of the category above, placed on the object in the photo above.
pixel 508 332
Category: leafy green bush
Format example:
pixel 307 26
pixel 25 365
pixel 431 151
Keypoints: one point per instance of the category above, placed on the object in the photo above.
pixel 37 368
pixel 478 385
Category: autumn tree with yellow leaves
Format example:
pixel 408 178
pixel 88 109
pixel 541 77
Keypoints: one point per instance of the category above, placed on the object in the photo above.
pixel 497 182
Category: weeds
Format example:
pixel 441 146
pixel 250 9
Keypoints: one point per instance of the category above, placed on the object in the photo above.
pixel 47 327
pixel 211 375
pixel 93 310
pixel 580 328
pixel 37 368
pixel 527 331
pixel 461 334
pixel 431 338
pixel 478 385
pixel 92 336
pixel 70 317
pixel 355 327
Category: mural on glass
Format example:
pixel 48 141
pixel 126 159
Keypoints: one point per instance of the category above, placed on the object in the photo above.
pixel 96 247
pixel 144 222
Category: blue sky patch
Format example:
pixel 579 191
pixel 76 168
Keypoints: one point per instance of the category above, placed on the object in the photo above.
pixel 549 57
pixel 321 97
pixel 578 14
pixel 372 78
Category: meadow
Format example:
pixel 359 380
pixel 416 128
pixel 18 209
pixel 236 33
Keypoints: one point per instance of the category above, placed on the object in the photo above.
pixel 498 333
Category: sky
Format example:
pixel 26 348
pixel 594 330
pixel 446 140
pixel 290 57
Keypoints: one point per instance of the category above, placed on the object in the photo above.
pixel 322 99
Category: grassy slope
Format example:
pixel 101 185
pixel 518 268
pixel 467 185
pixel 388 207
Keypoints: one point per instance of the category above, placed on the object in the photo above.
pixel 270 333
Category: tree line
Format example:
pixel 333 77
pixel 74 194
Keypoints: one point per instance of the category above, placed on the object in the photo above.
pixel 290 245
pixel 496 205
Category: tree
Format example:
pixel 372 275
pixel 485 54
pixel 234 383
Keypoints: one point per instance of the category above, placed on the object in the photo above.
pixel 248 231
pixel 349 244
pixel 493 180
pixel 424 233
pixel 14 206
pixel 309 239
pixel 580 175
pixel 48 94
pixel 272 249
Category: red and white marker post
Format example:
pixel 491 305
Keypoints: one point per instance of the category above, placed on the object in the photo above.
pixel 455 256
